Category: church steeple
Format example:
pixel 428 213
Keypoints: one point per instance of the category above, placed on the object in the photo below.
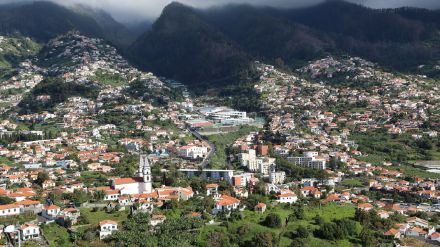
pixel 144 172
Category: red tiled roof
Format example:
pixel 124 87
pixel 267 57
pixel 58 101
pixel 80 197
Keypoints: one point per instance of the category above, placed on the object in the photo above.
pixel 111 222
pixel 119 181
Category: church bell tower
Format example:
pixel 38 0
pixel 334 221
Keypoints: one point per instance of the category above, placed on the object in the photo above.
pixel 144 172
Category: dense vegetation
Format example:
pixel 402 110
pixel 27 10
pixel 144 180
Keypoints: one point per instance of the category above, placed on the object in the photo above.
pixel 58 90
pixel 210 47
pixel 15 49
pixel 403 148
pixel 157 96
pixel 183 46
pixel 44 20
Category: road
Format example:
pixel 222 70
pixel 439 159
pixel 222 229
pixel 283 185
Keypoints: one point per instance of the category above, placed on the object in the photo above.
pixel 212 150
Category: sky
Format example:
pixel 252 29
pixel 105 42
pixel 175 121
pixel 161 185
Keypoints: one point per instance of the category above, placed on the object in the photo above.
pixel 137 10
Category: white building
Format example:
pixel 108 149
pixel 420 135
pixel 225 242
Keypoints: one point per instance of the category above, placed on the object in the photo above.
pixel 209 173
pixel 225 203
pixel 193 152
pixel 309 160
pixel 276 177
pixel 50 211
pixel 226 116
pixel 111 195
pixel 136 185
pixel 211 189
pixel 256 164
pixel 66 164
pixel 9 210
pixel 29 231
pixel 286 196
pixel 107 227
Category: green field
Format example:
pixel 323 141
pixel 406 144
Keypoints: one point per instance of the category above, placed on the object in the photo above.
pixel 56 235
pixel 95 217
pixel 221 141
pixel 410 171
pixel 108 78
pixel 355 182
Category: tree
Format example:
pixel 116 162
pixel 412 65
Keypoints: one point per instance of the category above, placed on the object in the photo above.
pixel 299 213
pixel 134 232
pixel 338 229
pixel 80 196
pixel 273 220
pixel 89 236
pixel 217 239
pixel 98 195
pixel 298 242
pixel 319 220
pixel 367 238
pixel 41 177
pixel 5 200
pixel 302 232
pixel 262 239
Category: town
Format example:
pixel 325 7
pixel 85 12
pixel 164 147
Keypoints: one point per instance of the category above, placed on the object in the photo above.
pixel 126 151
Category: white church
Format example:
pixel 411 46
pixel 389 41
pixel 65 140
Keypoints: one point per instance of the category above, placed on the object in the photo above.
pixel 140 184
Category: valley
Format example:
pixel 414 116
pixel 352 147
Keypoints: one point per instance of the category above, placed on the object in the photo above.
pixel 235 125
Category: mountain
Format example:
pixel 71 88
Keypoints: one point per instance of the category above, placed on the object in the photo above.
pixel 182 45
pixel 184 42
pixel 45 20
pixel 358 22
pixel 114 31
pixel 266 36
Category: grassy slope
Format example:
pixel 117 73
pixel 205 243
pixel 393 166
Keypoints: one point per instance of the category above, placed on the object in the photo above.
pixel 329 212
pixel 95 217
pixel 15 48
pixel 221 141
pixel 56 235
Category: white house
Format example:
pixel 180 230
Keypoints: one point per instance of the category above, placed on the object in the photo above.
pixel 111 195
pixel 29 231
pixel 211 189
pixel 157 219
pixel 107 227
pixel 435 236
pixel 9 210
pixel 225 203
pixel 50 211
pixel 286 196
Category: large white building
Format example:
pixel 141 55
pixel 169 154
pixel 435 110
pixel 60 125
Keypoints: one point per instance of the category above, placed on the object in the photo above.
pixel 226 116
pixel 256 164
pixel 276 177
pixel 193 152
pixel 136 185
pixel 209 174
pixel 309 160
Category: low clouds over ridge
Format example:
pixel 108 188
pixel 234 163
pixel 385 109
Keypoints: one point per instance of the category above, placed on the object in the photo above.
pixel 132 10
